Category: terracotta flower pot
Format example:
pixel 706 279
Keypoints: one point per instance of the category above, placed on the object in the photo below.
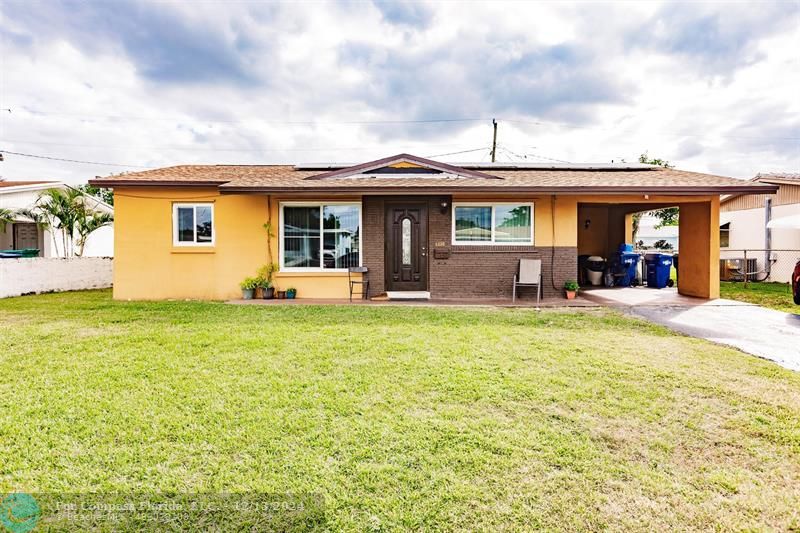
pixel 571 294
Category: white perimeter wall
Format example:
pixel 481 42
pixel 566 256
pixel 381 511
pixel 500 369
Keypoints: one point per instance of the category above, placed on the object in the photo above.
pixel 39 274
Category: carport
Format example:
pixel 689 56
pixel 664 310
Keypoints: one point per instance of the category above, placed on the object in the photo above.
pixel 604 224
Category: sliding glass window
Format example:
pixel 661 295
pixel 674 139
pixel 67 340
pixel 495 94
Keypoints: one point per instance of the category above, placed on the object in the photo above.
pixel 321 236
pixel 500 223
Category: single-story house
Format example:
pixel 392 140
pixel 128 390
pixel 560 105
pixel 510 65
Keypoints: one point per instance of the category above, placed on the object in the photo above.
pixel 452 231
pixel 743 226
pixel 23 233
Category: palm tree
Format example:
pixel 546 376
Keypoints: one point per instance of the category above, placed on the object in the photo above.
pixel 89 222
pixel 66 210
pixel 62 208
pixel 6 218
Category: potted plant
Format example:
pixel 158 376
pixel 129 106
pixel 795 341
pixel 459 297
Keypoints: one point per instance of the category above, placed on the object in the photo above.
pixel 291 292
pixel 267 290
pixel 571 289
pixel 265 280
pixel 248 286
pixel 280 295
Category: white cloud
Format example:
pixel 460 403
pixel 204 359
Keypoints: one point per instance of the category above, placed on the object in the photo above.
pixel 712 89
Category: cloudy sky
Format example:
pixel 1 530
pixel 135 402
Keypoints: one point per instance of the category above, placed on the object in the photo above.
pixel 711 87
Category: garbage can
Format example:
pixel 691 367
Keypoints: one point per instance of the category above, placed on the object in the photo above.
pixel 675 264
pixel 582 280
pixel 629 261
pixel 658 268
pixel 595 266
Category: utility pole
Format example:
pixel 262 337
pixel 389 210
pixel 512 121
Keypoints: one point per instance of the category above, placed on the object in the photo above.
pixel 494 140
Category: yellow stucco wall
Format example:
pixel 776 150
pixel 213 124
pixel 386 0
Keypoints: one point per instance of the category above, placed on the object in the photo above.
pixel 148 266
pixel 698 265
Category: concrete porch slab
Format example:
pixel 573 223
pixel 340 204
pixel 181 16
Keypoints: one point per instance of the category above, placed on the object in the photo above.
pixel 645 297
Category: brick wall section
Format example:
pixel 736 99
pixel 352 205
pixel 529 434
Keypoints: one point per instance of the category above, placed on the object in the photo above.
pixel 373 246
pixel 469 271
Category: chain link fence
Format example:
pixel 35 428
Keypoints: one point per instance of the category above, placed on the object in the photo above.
pixel 757 265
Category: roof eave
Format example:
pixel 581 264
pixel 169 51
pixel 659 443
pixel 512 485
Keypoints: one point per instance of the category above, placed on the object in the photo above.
pixel 681 190
pixel 111 183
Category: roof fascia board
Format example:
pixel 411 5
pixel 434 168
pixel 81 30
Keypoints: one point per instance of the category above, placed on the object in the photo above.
pixel 32 187
pixel 682 190
pixel 111 183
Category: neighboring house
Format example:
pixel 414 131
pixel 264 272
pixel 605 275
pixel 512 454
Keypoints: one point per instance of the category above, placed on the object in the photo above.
pixel 651 232
pixel 743 225
pixel 450 231
pixel 23 233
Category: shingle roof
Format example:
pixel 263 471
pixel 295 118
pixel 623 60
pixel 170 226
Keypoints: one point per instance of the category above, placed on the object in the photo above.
pixel 288 178
pixel 782 176
pixel 4 183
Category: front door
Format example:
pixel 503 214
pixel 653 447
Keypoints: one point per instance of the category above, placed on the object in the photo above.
pixel 26 235
pixel 406 247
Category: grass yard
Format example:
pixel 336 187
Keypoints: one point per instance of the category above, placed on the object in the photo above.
pixel 774 295
pixel 399 417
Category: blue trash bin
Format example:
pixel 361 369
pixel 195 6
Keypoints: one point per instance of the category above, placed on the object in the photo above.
pixel 658 269
pixel 629 260
pixel 623 268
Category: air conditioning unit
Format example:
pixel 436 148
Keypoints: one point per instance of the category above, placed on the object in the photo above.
pixel 732 269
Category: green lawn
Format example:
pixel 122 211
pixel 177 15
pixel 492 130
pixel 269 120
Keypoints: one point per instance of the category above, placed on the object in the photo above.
pixel 399 417
pixel 775 295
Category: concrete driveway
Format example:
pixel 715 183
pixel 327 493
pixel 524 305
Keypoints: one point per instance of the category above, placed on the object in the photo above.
pixel 753 329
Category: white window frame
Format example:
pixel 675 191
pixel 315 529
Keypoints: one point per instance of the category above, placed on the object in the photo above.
pixel 194 205
pixel 729 235
pixel 320 204
pixel 492 242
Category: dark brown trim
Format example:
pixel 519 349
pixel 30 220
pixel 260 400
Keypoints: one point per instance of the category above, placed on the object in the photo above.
pixel 110 183
pixel 393 190
pixel 426 191
pixel 371 165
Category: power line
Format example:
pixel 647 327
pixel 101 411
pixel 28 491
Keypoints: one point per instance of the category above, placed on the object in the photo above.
pixel 661 132
pixel 455 153
pixel 393 122
pixel 525 155
pixel 73 160
pixel 210 149
pixel 80 161
pixel 264 121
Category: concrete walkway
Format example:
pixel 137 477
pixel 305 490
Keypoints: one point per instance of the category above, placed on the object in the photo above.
pixel 753 329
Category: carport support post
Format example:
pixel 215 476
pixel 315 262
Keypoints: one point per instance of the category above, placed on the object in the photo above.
pixel 698 269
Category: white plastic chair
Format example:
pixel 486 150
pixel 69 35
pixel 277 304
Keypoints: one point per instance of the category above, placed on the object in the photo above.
pixel 530 275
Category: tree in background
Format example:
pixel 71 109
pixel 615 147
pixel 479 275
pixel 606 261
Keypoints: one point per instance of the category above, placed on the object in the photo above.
pixel 667 216
pixel 106 195
pixel 87 222
pixel 66 210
